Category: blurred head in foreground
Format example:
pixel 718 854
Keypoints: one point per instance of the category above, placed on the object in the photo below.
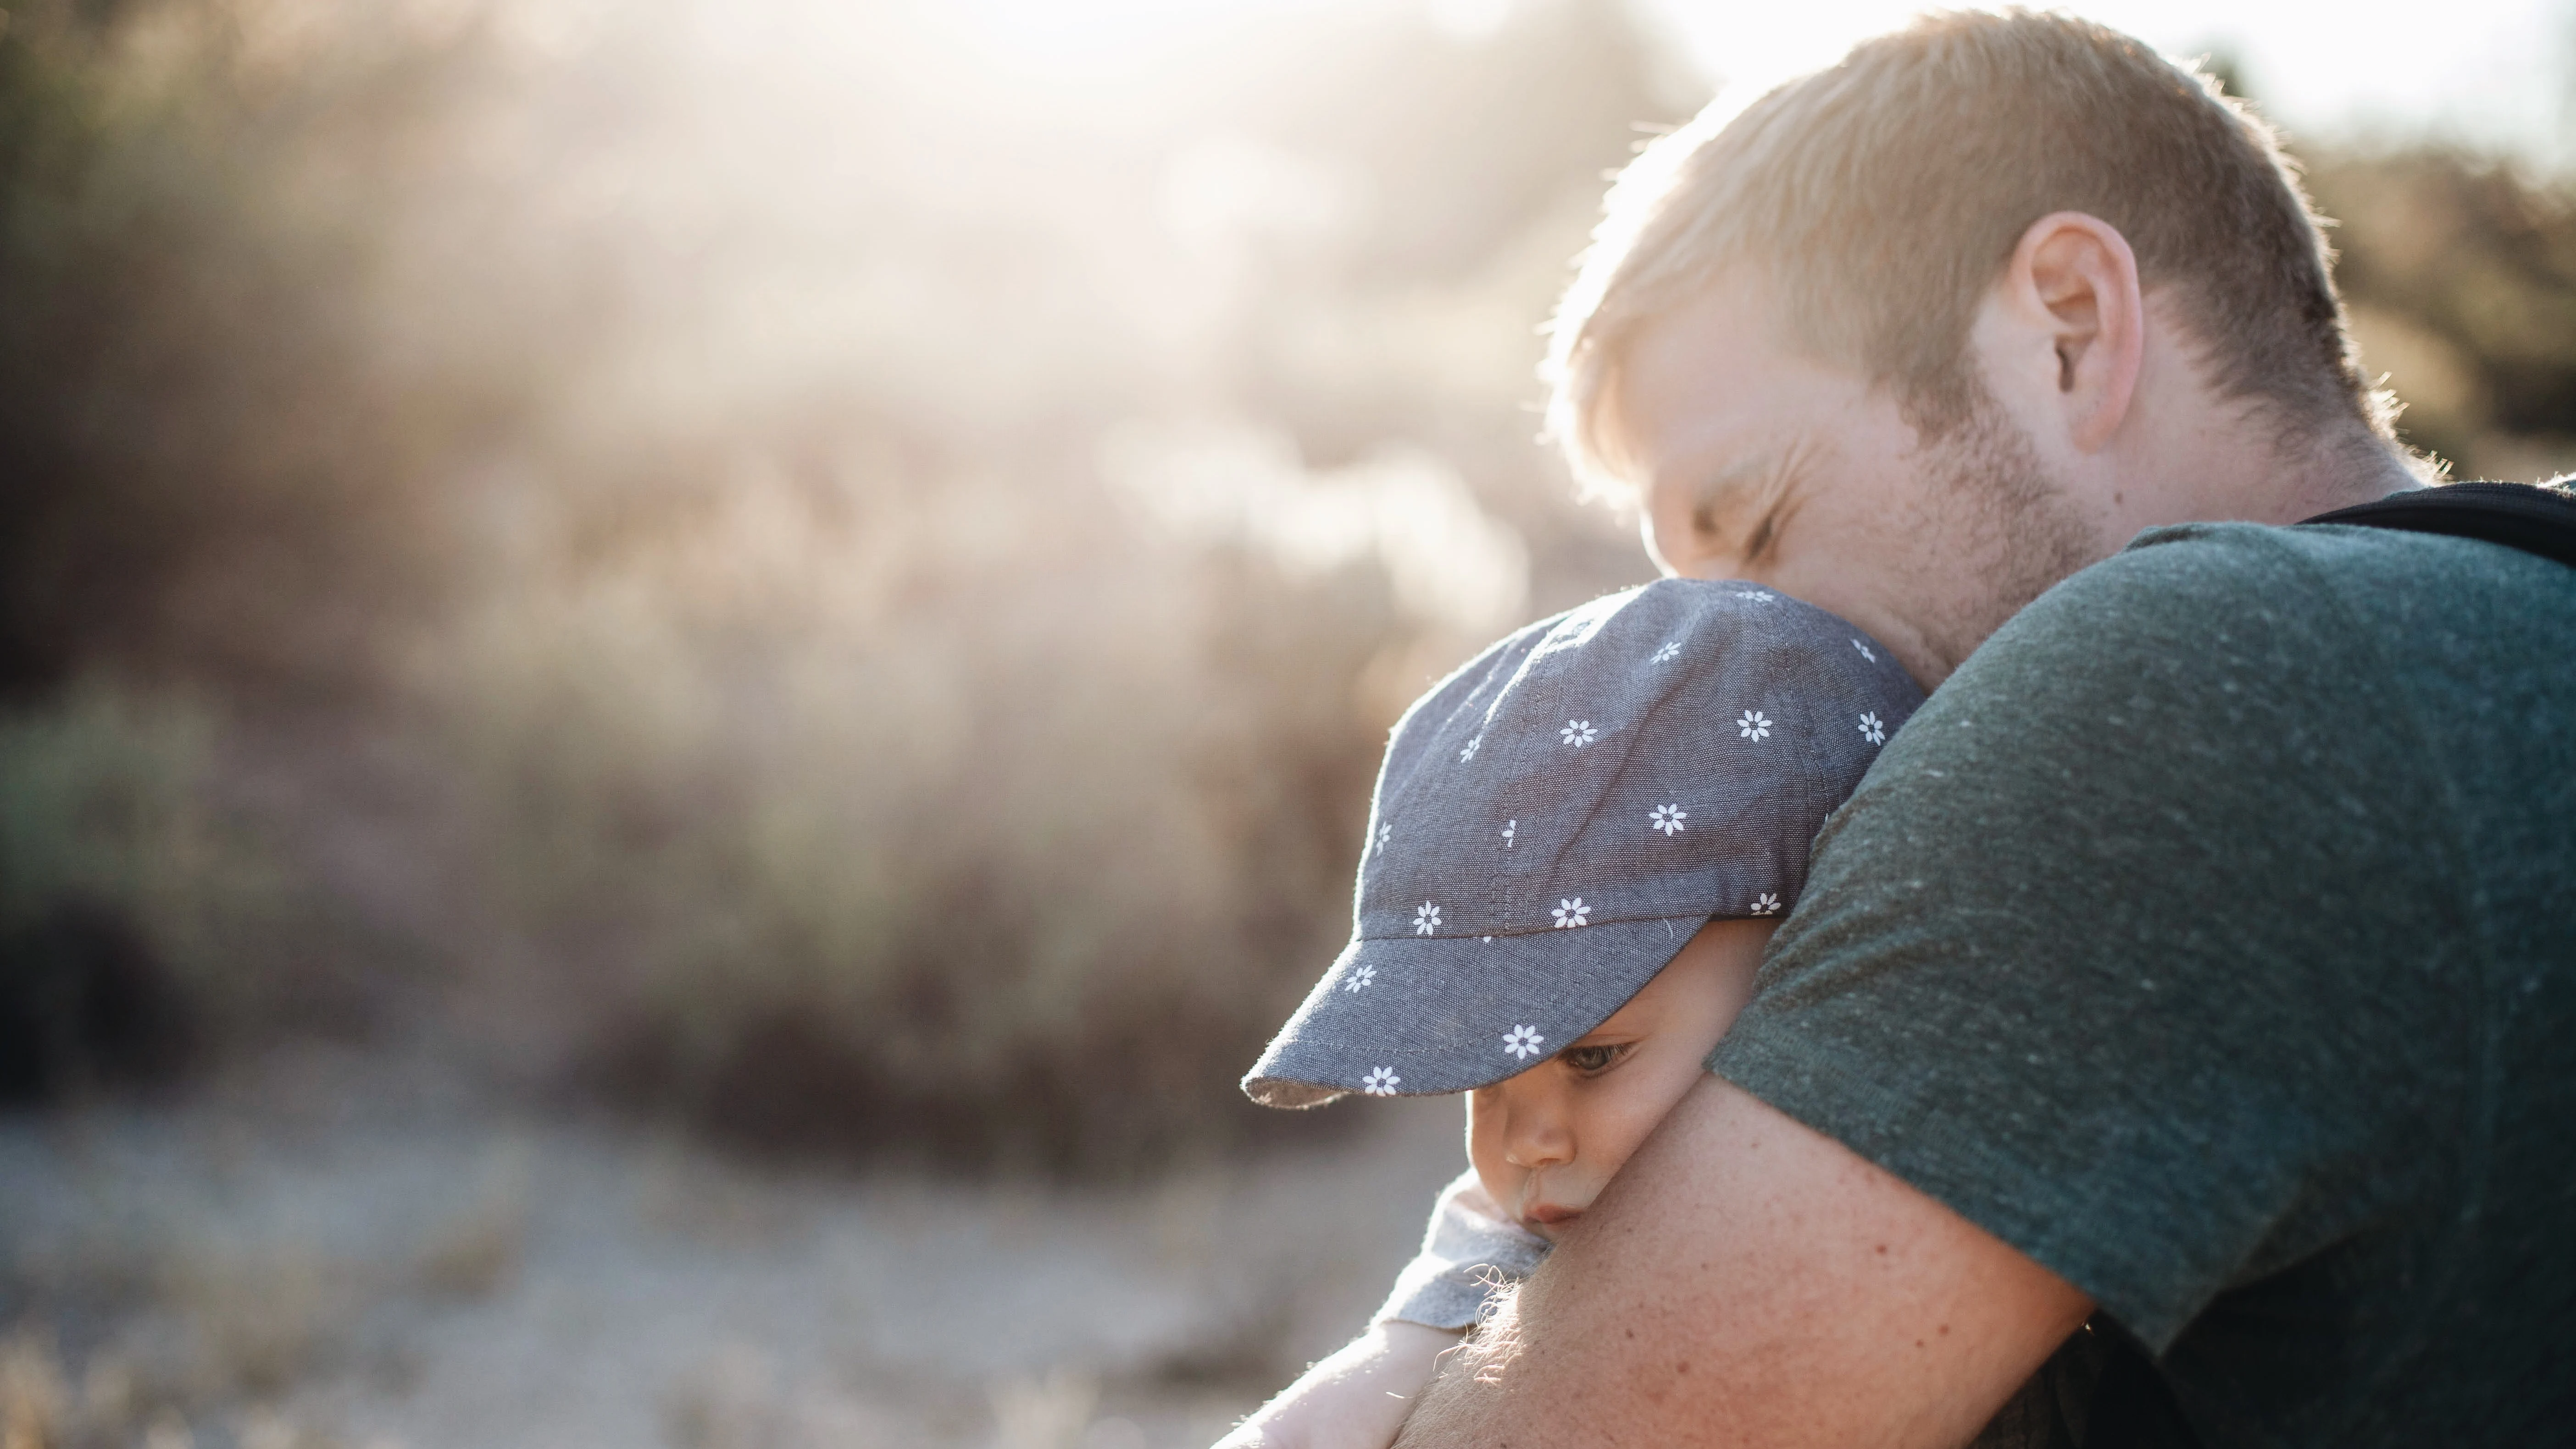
pixel 1579 845
pixel 1918 335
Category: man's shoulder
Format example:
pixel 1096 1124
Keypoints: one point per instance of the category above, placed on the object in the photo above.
pixel 2197 609
pixel 2187 567
pixel 2200 693
pixel 2190 571
pixel 2236 607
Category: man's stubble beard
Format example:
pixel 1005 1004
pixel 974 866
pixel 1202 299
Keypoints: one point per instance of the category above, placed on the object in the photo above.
pixel 2014 531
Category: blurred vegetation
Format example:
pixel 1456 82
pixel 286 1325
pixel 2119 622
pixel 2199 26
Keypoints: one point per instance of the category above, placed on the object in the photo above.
pixel 837 603
pixel 2461 270
pixel 109 867
pixel 215 467
pixel 835 587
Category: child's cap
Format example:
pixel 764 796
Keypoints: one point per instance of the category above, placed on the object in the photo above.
pixel 1555 820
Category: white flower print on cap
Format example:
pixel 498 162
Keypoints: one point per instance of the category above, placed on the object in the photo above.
pixel 1605 723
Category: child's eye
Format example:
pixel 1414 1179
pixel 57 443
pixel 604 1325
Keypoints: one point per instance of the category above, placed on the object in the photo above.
pixel 1593 1060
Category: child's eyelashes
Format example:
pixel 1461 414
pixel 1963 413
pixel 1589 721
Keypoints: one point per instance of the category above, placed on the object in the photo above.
pixel 1592 1059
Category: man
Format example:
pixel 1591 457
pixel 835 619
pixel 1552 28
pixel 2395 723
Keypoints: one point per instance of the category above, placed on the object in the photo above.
pixel 2201 960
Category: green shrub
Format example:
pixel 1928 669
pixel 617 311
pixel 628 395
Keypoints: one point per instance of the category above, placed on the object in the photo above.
pixel 139 924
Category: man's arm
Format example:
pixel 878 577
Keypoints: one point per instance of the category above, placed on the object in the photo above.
pixel 1746 1280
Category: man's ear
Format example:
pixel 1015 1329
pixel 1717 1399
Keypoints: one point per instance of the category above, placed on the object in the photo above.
pixel 2071 307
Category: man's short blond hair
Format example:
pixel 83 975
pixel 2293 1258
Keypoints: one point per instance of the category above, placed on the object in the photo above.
pixel 1882 198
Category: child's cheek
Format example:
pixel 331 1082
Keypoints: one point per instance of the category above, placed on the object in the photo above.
pixel 1485 1152
pixel 1617 1119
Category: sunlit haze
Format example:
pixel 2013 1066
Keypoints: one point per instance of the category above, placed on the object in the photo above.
pixel 682 682
pixel 2494 72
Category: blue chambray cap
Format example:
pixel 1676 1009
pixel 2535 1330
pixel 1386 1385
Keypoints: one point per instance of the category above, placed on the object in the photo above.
pixel 1556 819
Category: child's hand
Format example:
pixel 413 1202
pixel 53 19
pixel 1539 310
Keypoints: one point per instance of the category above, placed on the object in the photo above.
pixel 1355 1399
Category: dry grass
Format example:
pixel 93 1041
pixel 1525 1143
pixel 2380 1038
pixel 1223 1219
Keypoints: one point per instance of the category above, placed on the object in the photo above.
pixel 203 1326
pixel 227 1273
pixel 44 1406
pixel 1046 1412
pixel 476 1251
pixel 227 1336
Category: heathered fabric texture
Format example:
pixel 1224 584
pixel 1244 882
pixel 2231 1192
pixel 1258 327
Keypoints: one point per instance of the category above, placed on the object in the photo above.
pixel 1558 817
pixel 2211 938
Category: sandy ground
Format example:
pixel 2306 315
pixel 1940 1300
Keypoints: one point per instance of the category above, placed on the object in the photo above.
pixel 327 1257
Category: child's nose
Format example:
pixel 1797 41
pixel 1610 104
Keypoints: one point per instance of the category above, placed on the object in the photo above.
pixel 1539 1134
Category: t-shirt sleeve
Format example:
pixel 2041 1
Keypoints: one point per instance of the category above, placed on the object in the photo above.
pixel 2139 943
pixel 1470 1253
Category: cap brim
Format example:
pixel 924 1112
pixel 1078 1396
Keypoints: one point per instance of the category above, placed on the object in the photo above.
pixel 1422 1016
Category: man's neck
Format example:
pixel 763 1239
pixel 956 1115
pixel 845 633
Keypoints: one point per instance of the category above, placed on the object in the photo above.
pixel 2249 473
pixel 2319 474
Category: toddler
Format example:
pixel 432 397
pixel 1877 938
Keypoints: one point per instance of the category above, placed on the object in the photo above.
pixel 1580 844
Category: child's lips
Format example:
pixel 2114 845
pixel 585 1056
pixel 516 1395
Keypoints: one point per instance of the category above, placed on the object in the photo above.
pixel 1548 1215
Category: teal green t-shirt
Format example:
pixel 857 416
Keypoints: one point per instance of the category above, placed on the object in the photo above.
pixel 2211 938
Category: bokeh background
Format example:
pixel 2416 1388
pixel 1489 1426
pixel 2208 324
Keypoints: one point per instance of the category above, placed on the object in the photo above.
pixel 680 681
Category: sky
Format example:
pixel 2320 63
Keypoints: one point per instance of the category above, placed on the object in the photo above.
pixel 2489 72
pixel 2494 73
